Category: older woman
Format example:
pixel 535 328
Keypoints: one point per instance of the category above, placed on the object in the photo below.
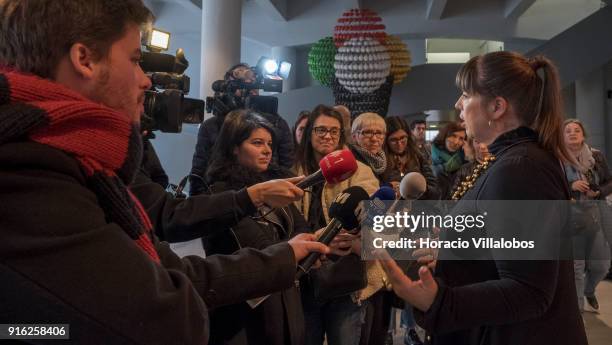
pixel 368 132
pixel 338 318
pixel 589 180
pixel 513 105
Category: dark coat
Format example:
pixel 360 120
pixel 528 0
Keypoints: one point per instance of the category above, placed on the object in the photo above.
pixel 61 261
pixel 509 302
pixel 279 320
pixel 178 219
pixel 207 135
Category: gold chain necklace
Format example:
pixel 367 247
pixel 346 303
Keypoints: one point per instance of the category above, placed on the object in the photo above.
pixel 470 180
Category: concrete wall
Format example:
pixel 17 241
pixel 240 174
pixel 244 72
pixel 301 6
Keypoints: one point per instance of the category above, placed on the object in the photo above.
pixel 590 107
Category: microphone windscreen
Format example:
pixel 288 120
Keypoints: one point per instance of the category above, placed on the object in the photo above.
pixel 384 193
pixel 413 185
pixel 337 166
pixel 344 206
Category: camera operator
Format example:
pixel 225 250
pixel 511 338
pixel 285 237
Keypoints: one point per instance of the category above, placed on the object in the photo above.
pixel 77 247
pixel 209 130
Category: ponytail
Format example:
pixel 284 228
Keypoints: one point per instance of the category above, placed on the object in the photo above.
pixel 549 116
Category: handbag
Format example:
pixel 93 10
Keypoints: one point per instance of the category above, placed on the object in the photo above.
pixel 339 278
pixel 584 218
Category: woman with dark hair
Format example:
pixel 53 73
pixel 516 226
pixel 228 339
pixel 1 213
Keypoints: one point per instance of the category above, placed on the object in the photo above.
pixel 338 318
pixel 589 179
pixel 298 128
pixel 447 155
pixel 241 157
pixel 512 104
pixel 403 157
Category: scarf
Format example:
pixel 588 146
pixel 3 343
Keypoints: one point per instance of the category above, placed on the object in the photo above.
pixel 585 159
pixel 378 161
pixel 104 142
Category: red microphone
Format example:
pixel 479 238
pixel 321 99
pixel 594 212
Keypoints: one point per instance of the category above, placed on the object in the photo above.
pixel 335 167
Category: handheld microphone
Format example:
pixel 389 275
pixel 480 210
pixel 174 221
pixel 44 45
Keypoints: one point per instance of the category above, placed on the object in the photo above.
pixel 335 167
pixel 342 212
pixel 413 185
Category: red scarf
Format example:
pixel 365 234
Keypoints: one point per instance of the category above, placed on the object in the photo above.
pixel 104 141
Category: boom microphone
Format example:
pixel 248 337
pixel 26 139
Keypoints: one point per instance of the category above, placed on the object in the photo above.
pixel 335 167
pixel 342 213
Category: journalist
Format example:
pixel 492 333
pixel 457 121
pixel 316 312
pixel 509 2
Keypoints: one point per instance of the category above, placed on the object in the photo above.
pixel 209 129
pixel 77 246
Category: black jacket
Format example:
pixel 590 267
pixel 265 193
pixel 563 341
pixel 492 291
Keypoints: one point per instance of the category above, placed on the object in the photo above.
pixel 62 262
pixel 279 320
pixel 509 302
pixel 178 220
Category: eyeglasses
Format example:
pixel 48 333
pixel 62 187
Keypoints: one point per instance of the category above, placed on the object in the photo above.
pixel 370 134
pixel 396 141
pixel 322 131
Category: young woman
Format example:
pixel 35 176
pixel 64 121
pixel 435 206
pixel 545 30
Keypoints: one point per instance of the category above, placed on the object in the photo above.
pixel 241 157
pixel 513 105
pixel 589 180
pixel 298 128
pixel 339 319
pixel 403 157
pixel 447 155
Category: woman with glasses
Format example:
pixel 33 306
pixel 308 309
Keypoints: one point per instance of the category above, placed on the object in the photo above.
pixel 338 318
pixel 242 157
pixel 447 156
pixel 368 132
pixel 403 157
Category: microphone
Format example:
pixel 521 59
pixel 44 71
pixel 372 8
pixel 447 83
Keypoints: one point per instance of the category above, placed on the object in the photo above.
pixel 335 167
pixel 342 213
pixel 378 204
pixel 413 185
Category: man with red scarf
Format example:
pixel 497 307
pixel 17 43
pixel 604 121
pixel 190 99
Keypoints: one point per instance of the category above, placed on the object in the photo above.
pixel 77 247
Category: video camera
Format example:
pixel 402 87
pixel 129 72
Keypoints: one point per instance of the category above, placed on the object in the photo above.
pixel 267 75
pixel 165 106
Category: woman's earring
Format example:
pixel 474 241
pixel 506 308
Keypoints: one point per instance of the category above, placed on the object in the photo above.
pixel 489 123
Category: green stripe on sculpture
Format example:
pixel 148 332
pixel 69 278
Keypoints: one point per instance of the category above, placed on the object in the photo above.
pixel 321 61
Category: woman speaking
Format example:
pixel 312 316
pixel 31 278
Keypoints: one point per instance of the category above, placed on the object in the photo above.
pixel 512 104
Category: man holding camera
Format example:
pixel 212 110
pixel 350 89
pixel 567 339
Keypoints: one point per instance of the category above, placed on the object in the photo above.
pixel 77 246
pixel 222 105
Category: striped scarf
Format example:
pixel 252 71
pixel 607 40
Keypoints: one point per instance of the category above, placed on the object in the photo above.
pixel 104 141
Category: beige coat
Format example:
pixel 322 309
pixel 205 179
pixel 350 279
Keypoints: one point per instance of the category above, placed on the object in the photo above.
pixel 363 177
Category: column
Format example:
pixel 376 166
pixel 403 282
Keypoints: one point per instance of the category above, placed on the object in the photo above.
pixel 221 39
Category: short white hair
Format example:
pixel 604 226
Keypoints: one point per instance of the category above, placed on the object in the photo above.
pixel 366 119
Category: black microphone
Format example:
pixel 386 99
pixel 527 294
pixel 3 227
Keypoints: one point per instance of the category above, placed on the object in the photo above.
pixel 342 212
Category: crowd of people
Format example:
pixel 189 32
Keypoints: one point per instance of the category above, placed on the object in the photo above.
pixel 86 224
